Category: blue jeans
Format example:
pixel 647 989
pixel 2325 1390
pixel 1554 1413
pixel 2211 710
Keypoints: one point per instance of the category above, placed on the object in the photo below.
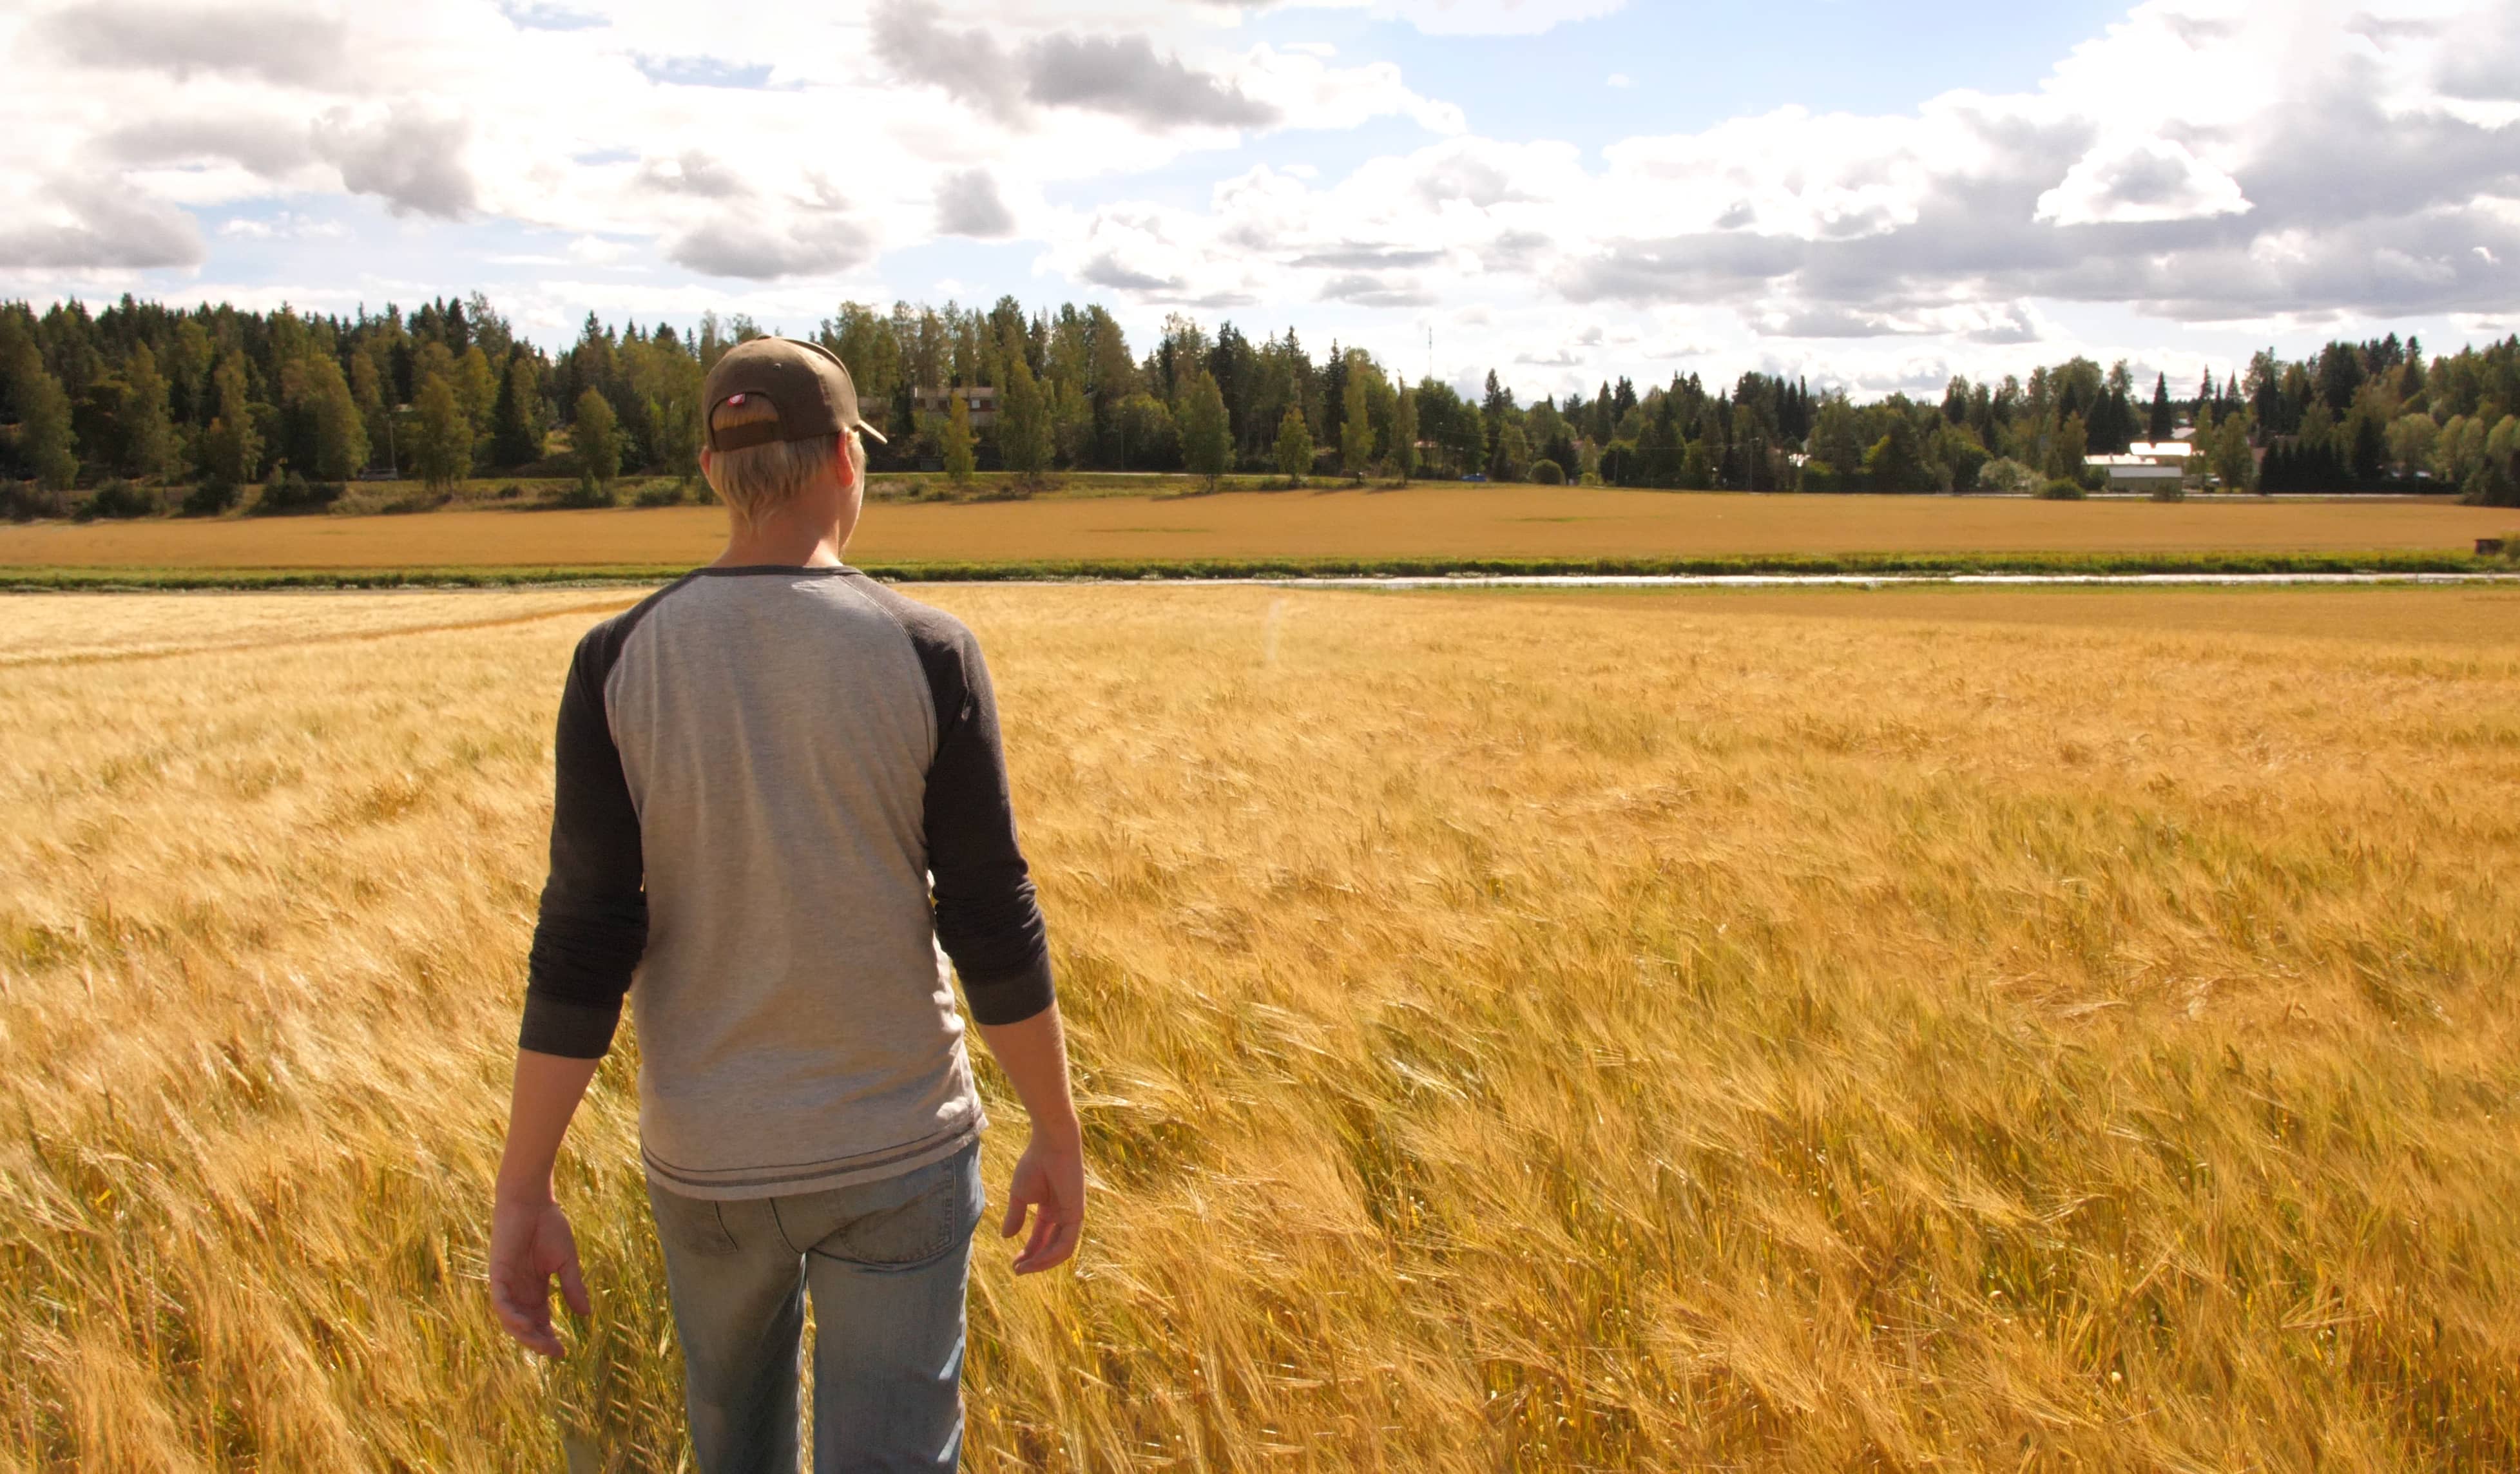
pixel 887 1262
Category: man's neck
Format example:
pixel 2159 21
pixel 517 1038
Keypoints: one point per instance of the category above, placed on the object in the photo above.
pixel 784 542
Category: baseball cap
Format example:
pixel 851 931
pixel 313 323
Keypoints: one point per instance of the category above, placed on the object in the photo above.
pixel 805 382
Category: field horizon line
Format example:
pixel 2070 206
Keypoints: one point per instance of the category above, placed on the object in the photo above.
pixel 44 578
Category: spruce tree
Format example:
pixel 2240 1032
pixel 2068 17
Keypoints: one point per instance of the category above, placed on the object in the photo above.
pixel 516 416
pixel 2160 427
pixel 45 443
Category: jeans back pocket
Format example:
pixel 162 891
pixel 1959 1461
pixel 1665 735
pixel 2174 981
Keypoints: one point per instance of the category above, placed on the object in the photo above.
pixel 911 1219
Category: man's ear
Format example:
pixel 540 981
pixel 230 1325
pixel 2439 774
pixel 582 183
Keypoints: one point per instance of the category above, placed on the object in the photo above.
pixel 847 468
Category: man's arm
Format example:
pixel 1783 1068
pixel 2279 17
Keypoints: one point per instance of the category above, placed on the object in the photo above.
pixel 1050 1175
pixel 531 1240
pixel 587 941
pixel 989 921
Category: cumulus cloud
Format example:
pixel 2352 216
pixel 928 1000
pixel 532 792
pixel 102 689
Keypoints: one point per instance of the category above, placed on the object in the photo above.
pixel 2126 181
pixel 88 224
pixel 740 245
pixel 2207 161
pixel 694 173
pixel 970 66
pixel 968 203
pixel 1122 75
pixel 1368 290
pixel 2485 64
pixel 282 44
pixel 2285 165
pixel 1108 270
pixel 411 159
pixel 268 145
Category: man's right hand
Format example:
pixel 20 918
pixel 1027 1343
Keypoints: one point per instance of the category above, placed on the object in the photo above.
pixel 530 1244
pixel 1048 1178
pixel 1050 1174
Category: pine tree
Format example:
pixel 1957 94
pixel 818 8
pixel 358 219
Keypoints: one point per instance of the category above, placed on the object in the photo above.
pixel 2160 427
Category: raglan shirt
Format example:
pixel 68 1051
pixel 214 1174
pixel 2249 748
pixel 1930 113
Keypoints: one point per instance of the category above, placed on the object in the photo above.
pixel 781 807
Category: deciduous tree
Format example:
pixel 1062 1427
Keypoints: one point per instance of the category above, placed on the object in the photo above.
pixel 1207 440
pixel 1294 445
pixel 1356 427
pixel 1404 435
pixel 232 447
pixel 148 434
pixel 444 452
pixel 954 441
pixel 594 436
pixel 340 431
pixel 1024 435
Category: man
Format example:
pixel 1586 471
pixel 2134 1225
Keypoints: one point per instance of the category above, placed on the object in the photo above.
pixel 779 790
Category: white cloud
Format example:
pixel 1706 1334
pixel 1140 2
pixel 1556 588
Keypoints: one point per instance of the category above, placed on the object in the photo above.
pixel 79 223
pixel 2207 161
pixel 2130 180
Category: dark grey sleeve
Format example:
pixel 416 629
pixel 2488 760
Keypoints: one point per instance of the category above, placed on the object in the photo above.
pixel 594 922
pixel 987 917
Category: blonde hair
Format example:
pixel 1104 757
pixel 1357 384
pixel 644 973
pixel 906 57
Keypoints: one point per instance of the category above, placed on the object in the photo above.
pixel 757 480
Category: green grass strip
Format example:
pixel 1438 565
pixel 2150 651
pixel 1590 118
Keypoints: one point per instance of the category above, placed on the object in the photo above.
pixel 102 579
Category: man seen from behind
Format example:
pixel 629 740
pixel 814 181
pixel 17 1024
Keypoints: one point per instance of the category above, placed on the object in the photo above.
pixel 781 807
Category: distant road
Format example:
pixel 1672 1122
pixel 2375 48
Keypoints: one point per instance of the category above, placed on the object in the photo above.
pixel 1446 521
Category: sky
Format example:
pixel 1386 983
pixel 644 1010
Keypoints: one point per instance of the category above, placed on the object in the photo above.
pixel 1870 195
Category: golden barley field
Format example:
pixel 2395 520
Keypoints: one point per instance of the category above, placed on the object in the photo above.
pixel 1817 1031
pixel 1419 521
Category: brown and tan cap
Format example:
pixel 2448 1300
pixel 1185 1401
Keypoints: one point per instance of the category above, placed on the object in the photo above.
pixel 805 382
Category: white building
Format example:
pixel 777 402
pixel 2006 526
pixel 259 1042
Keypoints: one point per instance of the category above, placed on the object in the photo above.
pixel 2135 472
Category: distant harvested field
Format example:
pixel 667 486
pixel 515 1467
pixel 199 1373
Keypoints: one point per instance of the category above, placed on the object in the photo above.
pixel 1812 1031
pixel 1439 521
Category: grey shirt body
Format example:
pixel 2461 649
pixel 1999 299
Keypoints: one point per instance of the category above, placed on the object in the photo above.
pixel 801 772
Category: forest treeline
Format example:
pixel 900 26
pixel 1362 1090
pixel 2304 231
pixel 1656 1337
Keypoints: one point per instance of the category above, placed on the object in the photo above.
pixel 142 404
